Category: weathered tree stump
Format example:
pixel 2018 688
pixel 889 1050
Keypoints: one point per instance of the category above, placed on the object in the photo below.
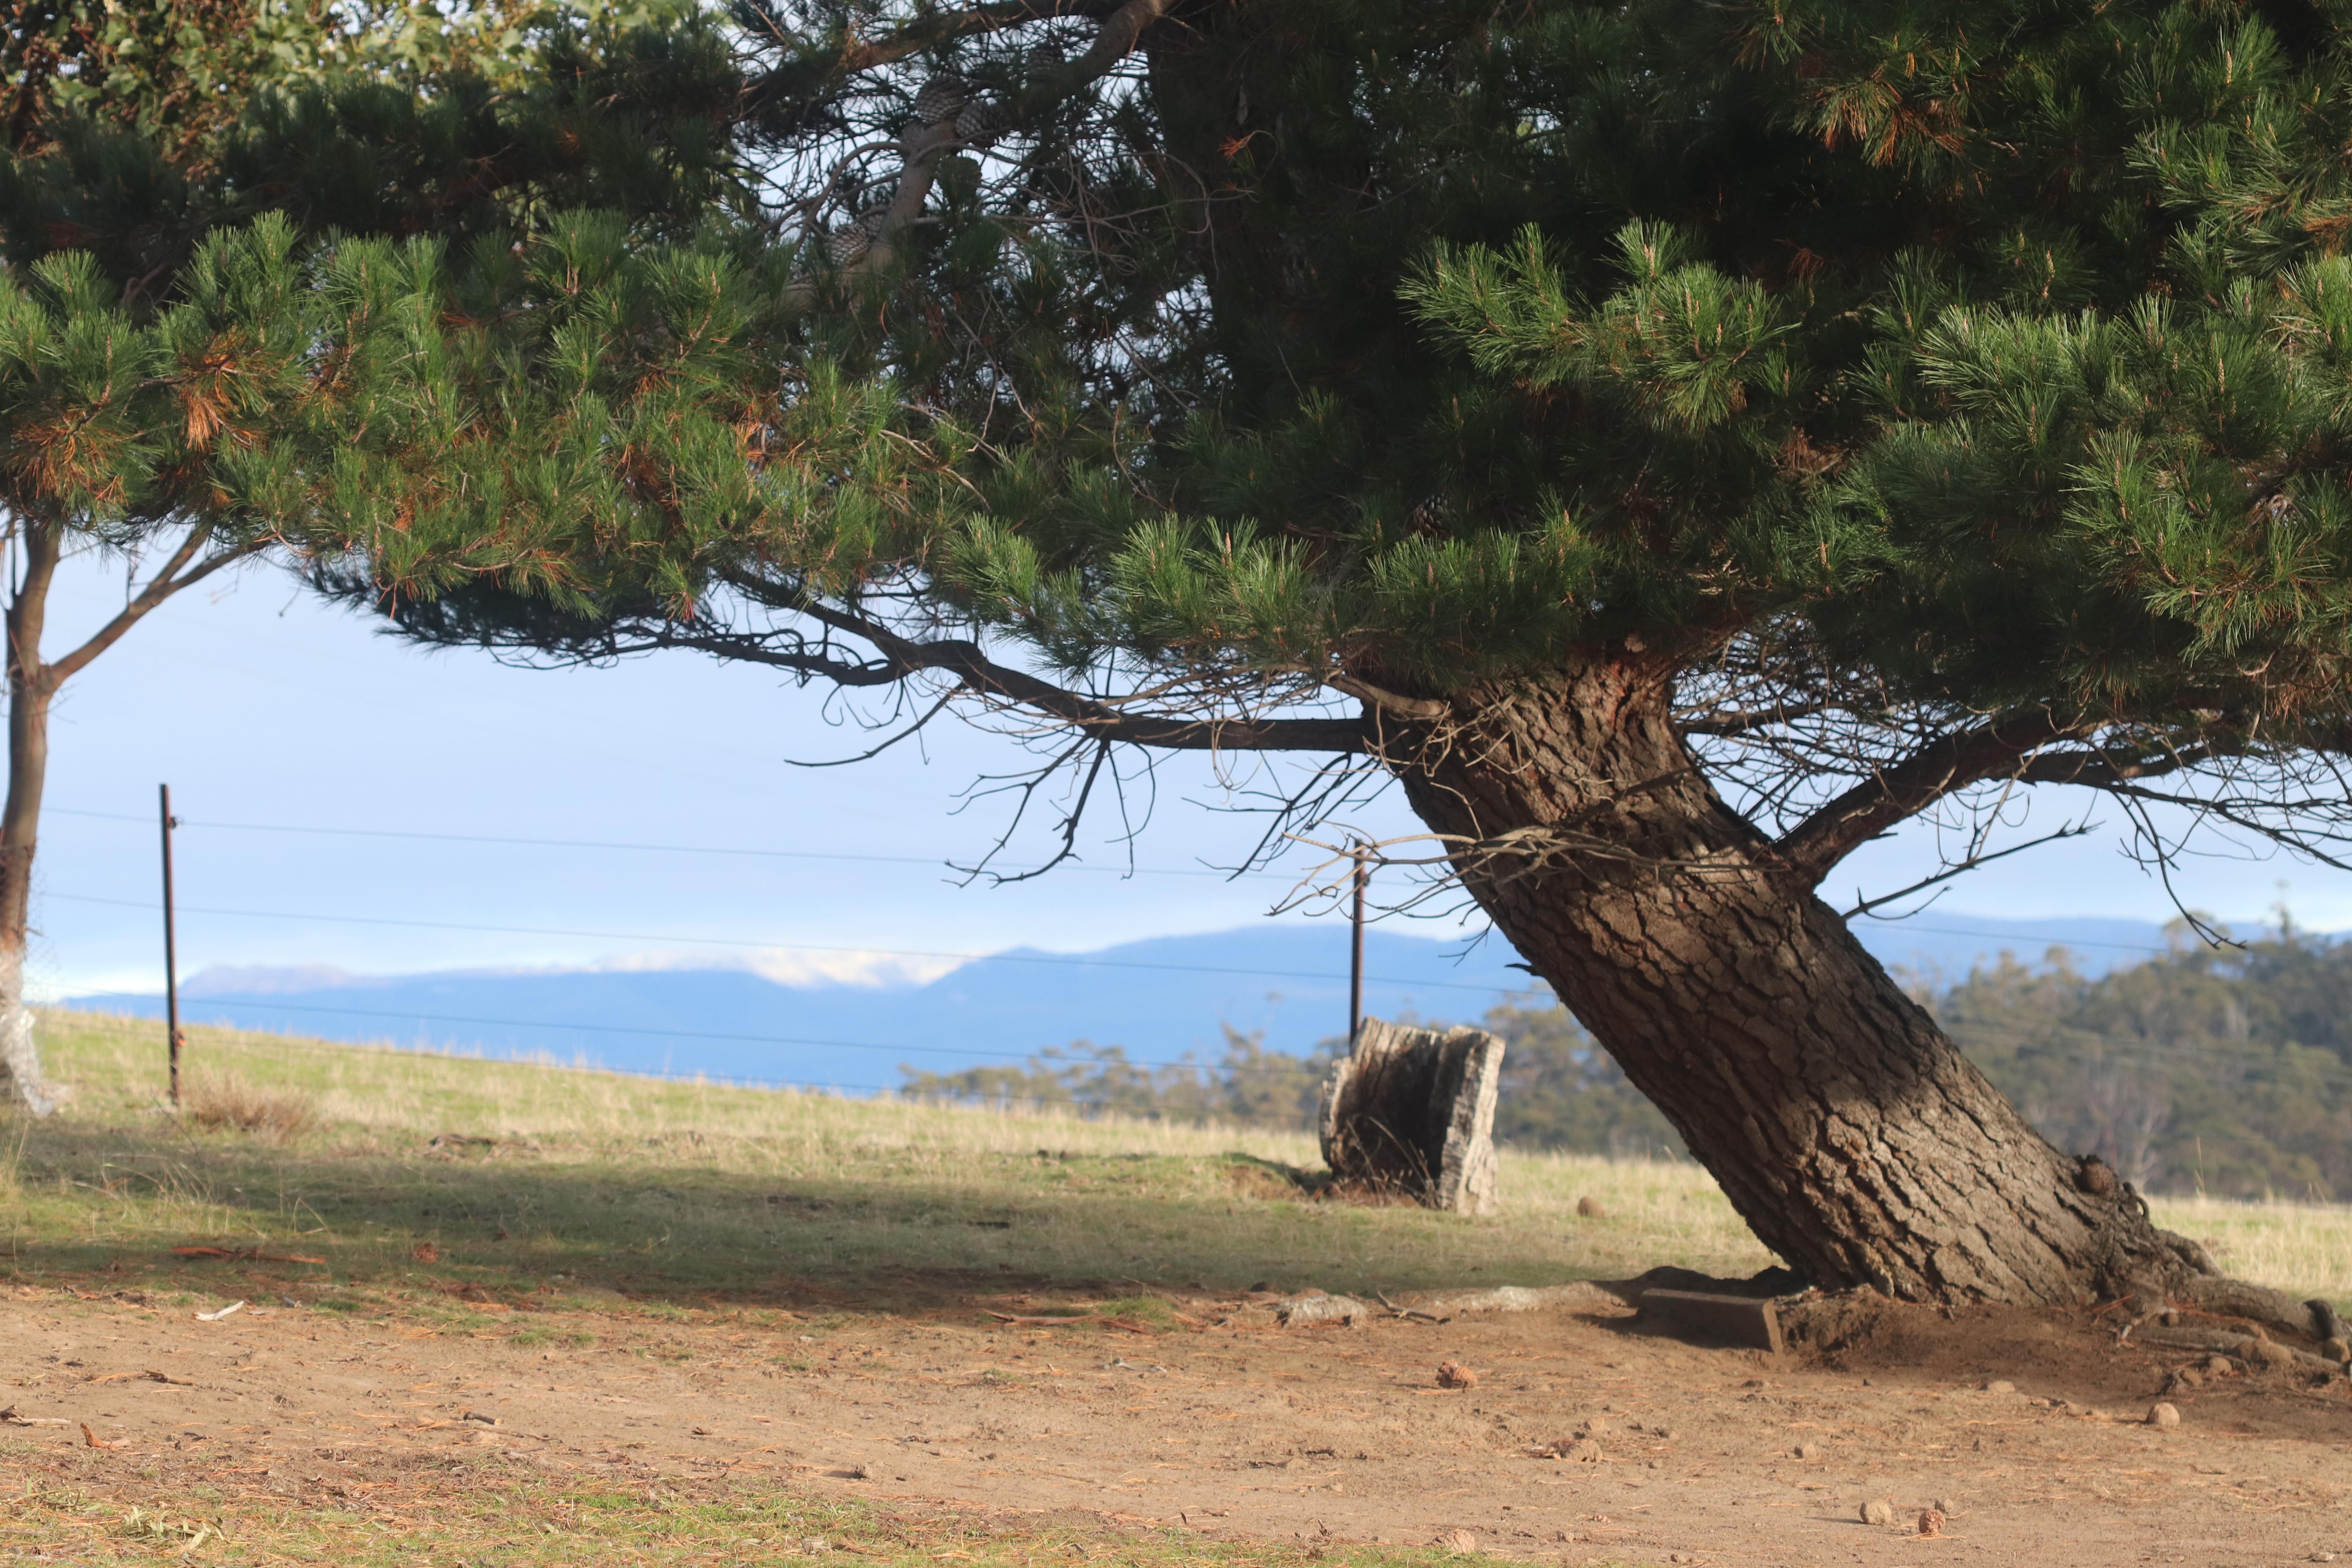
pixel 1413 1112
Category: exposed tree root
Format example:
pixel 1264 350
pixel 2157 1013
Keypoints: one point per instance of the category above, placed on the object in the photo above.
pixel 2252 1349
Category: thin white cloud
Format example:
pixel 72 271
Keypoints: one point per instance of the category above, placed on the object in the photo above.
pixel 787 967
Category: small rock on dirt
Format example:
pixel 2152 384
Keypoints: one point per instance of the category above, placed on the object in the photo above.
pixel 2163 1415
pixel 1878 1510
pixel 2219 1365
pixel 1592 1208
pixel 1454 1374
pixel 1944 1506
pixel 1931 1521
pixel 2000 1385
pixel 2270 1352
pixel 1457 1541
pixel 1807 1450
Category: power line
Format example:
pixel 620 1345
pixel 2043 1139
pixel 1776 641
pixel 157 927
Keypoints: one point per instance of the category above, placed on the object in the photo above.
pixel 1048 958
pixel 512 840
pixel 741 851
pixel 2028 936
pixel 733 851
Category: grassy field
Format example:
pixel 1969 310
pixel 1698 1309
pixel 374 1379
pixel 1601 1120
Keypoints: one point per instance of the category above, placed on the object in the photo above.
pixel 584 1181
pixel 588 1183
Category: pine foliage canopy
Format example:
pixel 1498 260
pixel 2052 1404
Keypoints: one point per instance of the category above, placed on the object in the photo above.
pixel 1951 384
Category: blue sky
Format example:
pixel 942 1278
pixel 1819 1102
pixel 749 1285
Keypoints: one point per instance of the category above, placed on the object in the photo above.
pixel 260 706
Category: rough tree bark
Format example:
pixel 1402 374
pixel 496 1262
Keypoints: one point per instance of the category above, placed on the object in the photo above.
pixel 30 690
pixel 1843 1125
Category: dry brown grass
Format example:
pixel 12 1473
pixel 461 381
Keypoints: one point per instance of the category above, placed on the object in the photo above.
pixel 602 1164
pixel 231 1104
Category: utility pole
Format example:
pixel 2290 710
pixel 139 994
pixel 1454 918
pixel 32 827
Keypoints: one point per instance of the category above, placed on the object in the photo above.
pixel 1355 966
pixel 171 956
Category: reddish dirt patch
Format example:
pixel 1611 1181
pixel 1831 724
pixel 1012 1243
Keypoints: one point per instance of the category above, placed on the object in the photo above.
pixel 1586 1438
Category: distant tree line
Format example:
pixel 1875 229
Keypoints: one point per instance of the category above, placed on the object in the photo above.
pixel 2226 1071
pixel 1560 1090
pixel 1247 1086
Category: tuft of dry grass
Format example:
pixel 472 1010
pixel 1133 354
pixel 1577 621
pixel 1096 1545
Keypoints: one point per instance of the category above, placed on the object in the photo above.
pixel 220 1104
pixel 2305 1248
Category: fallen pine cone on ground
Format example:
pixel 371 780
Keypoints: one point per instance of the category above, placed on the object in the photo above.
pixel 1454 1374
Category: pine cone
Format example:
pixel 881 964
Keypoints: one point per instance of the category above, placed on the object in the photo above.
pixel 939 99
pixel 981 123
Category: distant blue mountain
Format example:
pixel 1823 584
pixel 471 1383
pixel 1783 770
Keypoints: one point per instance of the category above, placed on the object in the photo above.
pixel 1161 999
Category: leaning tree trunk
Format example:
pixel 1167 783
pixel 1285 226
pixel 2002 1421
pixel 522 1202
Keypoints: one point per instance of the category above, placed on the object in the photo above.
pixel 1842 1125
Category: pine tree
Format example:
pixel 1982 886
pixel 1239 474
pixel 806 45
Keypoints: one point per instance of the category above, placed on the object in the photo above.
pixel 174 346
pixel 1677 442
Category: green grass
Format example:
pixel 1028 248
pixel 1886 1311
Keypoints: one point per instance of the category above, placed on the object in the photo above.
pixel 553 1185
pixel 478 1511
pixel 592 1183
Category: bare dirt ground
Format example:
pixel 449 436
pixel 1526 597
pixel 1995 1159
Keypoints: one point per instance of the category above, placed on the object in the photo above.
pixel 1691 1454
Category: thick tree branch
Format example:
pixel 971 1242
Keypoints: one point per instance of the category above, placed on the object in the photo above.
pixel 1991 750
pixel 171 580
pixel 902 657
pixel 29 605
pixel 2097 770
pixel 1423 708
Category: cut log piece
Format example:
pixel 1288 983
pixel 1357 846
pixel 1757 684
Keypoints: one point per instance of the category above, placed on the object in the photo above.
pixel 1413 1112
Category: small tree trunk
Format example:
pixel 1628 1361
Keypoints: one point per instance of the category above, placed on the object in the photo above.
pixel 1842 1125
pixel 30 689
pixel 1413 1112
